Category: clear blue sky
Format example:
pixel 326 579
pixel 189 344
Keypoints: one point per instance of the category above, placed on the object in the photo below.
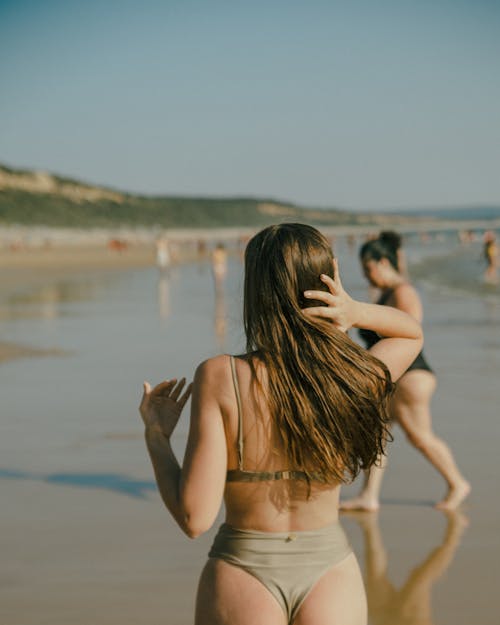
pixel 358 104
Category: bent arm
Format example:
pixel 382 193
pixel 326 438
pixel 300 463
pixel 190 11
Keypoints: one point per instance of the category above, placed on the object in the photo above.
pixel 407 299
pixel 193 493
pixel 167 473
pixel 401 335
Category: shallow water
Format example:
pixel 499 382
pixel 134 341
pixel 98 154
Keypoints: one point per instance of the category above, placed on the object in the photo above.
pixel 74 475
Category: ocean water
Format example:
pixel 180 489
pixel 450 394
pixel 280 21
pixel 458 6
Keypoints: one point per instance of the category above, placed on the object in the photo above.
pixel 70 426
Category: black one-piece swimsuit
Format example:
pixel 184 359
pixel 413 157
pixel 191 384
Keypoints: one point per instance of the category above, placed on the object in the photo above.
pixel 369 337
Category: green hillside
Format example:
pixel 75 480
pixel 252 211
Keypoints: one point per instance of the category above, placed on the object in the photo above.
pixel 37 198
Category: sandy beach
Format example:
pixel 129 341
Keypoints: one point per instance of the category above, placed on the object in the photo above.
pixel 32 269
pixel 142 146
pixel 84 537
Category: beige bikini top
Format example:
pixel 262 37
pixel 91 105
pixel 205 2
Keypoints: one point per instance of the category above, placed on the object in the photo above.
pixel 240 474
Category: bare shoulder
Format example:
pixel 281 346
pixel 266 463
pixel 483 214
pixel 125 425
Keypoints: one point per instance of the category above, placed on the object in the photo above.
pixel 406 298
pixel 213 381
pixel 213 369
pixel 405 290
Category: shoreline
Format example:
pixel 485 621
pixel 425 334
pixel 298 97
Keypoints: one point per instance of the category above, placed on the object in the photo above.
pixel 38 235
pixel 74 256
pixel 38 247
pixel 14 351
pixel 32 257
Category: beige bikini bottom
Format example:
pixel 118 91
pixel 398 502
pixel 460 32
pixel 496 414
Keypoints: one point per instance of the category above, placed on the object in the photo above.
pixel 287 563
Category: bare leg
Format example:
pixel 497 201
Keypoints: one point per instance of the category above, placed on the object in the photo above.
pixel 410 407
pixel 228 595
pixel 369 497
pixel 337 598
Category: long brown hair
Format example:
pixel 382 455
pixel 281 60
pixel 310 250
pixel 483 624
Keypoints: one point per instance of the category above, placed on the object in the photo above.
pixel 327 395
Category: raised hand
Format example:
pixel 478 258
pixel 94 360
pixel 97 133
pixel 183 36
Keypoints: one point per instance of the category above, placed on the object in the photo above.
pixel 161 406
pixel 340 308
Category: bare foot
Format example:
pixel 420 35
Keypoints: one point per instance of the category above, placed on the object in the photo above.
pixel 363 502
pixel 454 497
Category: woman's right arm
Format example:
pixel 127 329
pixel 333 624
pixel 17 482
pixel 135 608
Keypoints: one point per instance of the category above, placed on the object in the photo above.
pixel 192 492
pixel 401 335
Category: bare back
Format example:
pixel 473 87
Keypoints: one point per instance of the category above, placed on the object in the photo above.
pixel 272 504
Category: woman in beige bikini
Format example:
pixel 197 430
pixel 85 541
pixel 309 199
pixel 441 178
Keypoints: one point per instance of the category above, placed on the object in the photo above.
pixel 275 432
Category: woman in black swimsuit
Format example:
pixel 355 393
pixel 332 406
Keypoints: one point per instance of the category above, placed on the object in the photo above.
pixel 410 405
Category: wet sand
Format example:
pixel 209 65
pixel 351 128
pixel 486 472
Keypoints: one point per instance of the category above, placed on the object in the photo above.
pixel 11 351
pixel 71 257
pixel 30 269
pixel 84 537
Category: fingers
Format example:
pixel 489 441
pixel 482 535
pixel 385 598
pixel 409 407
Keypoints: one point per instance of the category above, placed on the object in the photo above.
pixel 319 311
pixel 322 296
pixel 177 389
pixel 146 390
pixel 336 273
pixel 169 389
pixel 183 399
pixel 330 283
pixel 163 388
pixel 334 287
pixel 322 312
pixel 334 284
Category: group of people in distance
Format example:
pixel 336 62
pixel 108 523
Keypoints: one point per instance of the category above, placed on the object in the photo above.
pixel 276 431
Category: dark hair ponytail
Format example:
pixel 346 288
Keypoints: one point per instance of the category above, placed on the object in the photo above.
pixel 386 245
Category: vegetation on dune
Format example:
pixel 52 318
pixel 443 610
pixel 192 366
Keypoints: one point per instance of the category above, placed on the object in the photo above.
pixel 51 209
pixel 34 198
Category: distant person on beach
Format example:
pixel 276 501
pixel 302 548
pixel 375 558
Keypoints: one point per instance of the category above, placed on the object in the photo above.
pixel 410 404
pixel 163 258
pixel 351 242
pixel 117 245
pixel 275 432
pixel 490 251
pixel 201 249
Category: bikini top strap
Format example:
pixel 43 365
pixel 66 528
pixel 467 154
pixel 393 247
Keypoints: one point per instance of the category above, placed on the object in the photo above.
pixel 240 413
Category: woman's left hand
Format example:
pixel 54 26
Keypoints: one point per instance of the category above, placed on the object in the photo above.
pixel 161 406
pixel 340 308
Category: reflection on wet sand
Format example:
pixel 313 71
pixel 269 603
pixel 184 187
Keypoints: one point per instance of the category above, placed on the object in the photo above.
pixel 13 351
pixel 220 316
pixel 219 266
pixel 411 603
pixel 164 295
pixel 44 300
